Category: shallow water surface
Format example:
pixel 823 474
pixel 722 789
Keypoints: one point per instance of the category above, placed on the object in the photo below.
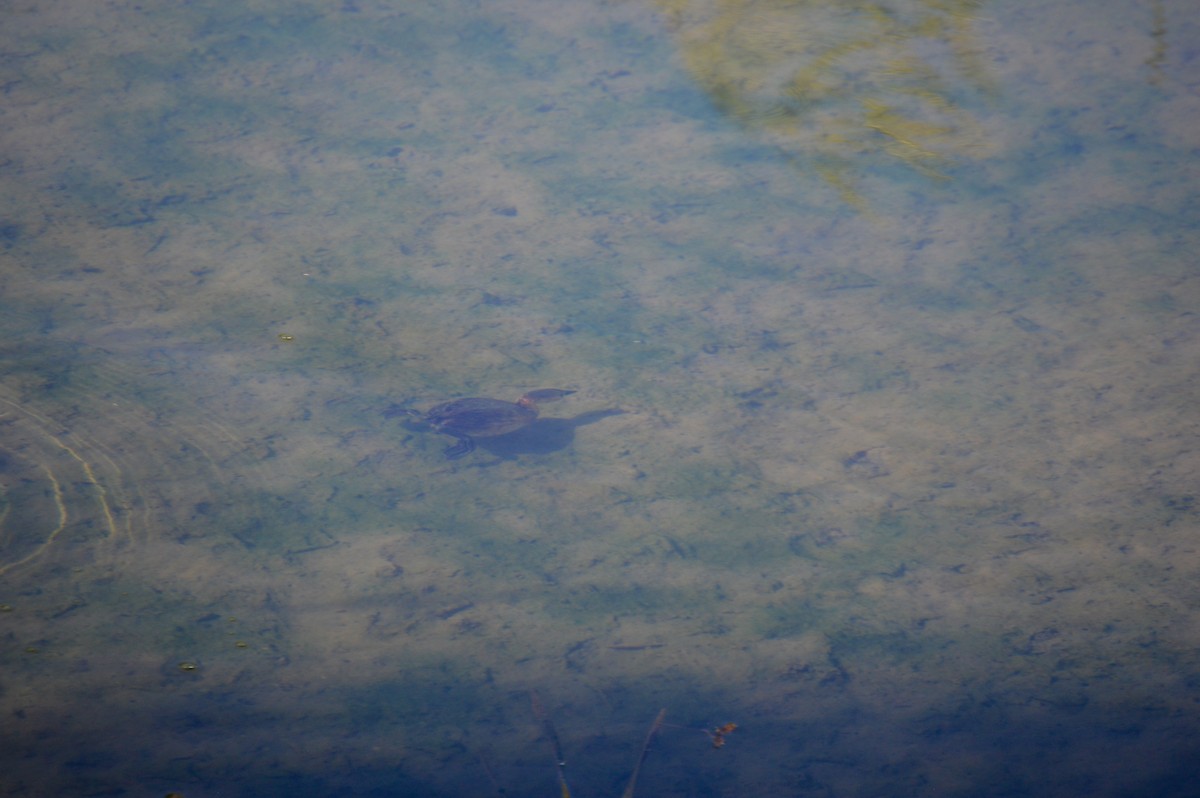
pixel 881 325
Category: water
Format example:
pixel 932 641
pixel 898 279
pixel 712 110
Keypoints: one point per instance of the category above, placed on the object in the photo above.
pixel 881 326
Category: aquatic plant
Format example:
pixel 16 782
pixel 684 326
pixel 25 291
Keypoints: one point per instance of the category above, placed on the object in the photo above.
pixel 716 736
pixel 841 85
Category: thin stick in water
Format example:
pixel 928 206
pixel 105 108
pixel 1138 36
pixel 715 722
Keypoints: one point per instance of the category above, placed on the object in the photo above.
pixel 548 729
pixel 654 727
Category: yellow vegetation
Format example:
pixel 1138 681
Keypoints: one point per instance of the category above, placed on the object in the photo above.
pixel 841 84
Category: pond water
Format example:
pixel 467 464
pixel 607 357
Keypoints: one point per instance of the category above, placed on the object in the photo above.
pixel 881 322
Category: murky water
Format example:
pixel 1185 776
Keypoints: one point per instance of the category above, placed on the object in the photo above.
pixel 881 322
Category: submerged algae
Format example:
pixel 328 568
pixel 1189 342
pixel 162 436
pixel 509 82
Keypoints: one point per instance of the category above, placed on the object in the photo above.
pixel 838 85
